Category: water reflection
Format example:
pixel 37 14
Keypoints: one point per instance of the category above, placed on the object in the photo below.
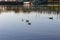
pixel 29 8
pixel 29 23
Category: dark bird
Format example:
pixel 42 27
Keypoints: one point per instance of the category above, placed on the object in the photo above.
pixel 50 17
pixel 27 20
pixel 29 23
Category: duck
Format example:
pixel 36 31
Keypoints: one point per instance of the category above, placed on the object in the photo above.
pixel 27 20
pixel 29 23
pixel 50 17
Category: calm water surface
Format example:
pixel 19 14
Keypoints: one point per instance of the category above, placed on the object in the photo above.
pixel 40 25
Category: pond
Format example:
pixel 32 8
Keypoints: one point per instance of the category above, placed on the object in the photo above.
pixel 29 25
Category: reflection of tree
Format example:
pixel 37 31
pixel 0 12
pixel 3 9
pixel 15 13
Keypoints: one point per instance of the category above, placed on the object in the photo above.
pixel 17 9
pixel 29 9
pixel 56 8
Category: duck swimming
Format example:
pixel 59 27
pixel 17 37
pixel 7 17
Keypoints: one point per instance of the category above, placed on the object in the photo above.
pixel 29 23
pixel 50 17
pixel 27 20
